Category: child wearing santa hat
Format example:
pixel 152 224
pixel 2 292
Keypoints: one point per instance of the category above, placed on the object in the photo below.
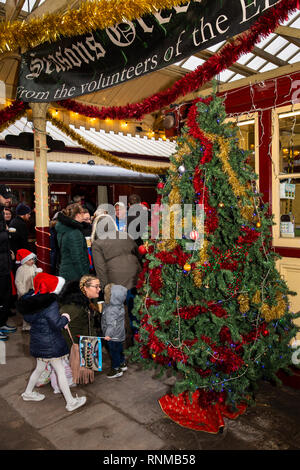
pixel 26 271
pixel 47 343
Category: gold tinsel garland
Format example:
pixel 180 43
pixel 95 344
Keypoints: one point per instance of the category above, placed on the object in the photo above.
pixel 268 312
pixel 256 299
pixel 246 211
pixel 6 124
pixel 93 149
pixel 197 273
pixel 238 189
pixel 243 301
pixel 276 311
pixel 91 15
pixel 174 198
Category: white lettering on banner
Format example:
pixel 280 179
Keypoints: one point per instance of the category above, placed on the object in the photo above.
pixel 67 58
pixel 178 42
pixel 95 46
pixel 36 67
pixel 254 4
pixel 89 50
pixel 208 27
pixel 77 49
pixel 122 35
pixel 268 5
pixel 221 19
pixel 244 8
pixel 160 19
pixel 143 25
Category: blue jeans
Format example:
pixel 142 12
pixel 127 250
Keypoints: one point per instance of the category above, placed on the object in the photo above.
pixel 131 293
pixel 116 353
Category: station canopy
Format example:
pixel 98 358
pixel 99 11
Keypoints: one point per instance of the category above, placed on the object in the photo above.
pixel 279 52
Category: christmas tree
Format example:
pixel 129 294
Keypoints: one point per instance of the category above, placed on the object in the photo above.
pixel 215 313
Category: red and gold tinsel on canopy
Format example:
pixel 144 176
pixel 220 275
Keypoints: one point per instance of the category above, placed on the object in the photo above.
pixel 192 81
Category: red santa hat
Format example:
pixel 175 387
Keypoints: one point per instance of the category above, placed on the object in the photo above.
pixel 23 255
pixel 44 283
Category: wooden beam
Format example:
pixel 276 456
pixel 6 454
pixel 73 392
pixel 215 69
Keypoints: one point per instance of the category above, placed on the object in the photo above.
pixel 288 31
pixel 269 57
pixel 237 68
pixel 36 4
pixel 12 15
pixel 256 78
pixel 49 6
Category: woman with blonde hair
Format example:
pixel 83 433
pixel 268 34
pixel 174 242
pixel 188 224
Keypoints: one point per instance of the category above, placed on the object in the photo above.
pixel 78 299
pixel 106 222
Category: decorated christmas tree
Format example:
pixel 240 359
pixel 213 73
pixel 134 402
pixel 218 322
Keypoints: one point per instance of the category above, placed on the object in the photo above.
pixel 211 305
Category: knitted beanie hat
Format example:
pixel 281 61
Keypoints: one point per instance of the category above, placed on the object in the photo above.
pixel 23 255
pixel 22 209
pixel 44 283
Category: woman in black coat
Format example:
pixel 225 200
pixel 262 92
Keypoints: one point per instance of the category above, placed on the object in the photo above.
pixel 47 343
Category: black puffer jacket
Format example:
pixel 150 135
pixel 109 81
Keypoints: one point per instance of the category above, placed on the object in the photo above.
pixel 42 312
pixel 5 258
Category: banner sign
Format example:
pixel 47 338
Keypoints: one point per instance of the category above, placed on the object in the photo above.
pixel 101 59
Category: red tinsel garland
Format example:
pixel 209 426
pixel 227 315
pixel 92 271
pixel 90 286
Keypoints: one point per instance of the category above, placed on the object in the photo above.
pixel 192 311
pixel 211 219
pixel 249 236
pixel 192 81
pixel 177 256
pixel 155 280
pixel 11 112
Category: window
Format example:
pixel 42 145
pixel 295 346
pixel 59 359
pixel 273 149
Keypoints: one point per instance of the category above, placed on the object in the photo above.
pixel 286 176
pixel 248 137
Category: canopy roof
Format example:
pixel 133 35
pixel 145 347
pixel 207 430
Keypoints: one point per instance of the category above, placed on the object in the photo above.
pixel 274 54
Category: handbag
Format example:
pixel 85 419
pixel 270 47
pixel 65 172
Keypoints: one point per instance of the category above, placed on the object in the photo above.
pixel 81 374
pixel 90 352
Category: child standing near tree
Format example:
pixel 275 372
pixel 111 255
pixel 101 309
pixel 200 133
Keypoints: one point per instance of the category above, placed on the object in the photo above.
pixel 47 343
pixel 25 275
pixel 113 327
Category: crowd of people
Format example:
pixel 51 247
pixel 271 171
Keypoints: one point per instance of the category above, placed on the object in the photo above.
pixel 95 261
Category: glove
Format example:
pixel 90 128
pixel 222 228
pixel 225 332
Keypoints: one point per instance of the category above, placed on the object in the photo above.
pixel 67 317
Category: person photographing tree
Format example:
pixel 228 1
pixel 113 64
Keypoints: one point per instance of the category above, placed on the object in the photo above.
pixel 5 266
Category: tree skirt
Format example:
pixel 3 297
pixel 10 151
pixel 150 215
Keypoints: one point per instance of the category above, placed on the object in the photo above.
pixel 191 415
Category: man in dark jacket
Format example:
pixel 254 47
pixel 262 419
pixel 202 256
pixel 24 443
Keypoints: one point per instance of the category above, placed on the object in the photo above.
pixel 5 266
pixel 138 218
pixel 20 240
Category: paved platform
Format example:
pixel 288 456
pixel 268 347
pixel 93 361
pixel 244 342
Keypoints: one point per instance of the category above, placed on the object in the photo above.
pixel 124 414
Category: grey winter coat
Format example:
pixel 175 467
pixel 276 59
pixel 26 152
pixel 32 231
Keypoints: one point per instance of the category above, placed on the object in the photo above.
pixel 113 316
pixel 116 260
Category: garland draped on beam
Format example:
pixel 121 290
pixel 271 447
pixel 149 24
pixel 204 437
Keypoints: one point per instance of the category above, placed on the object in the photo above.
pixel 93 149
pixel 91 15
pixel 11 113
pixel 192 81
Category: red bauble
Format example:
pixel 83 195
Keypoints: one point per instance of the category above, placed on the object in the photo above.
pixel 142 250
pixel 194 235
pixel 160 186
